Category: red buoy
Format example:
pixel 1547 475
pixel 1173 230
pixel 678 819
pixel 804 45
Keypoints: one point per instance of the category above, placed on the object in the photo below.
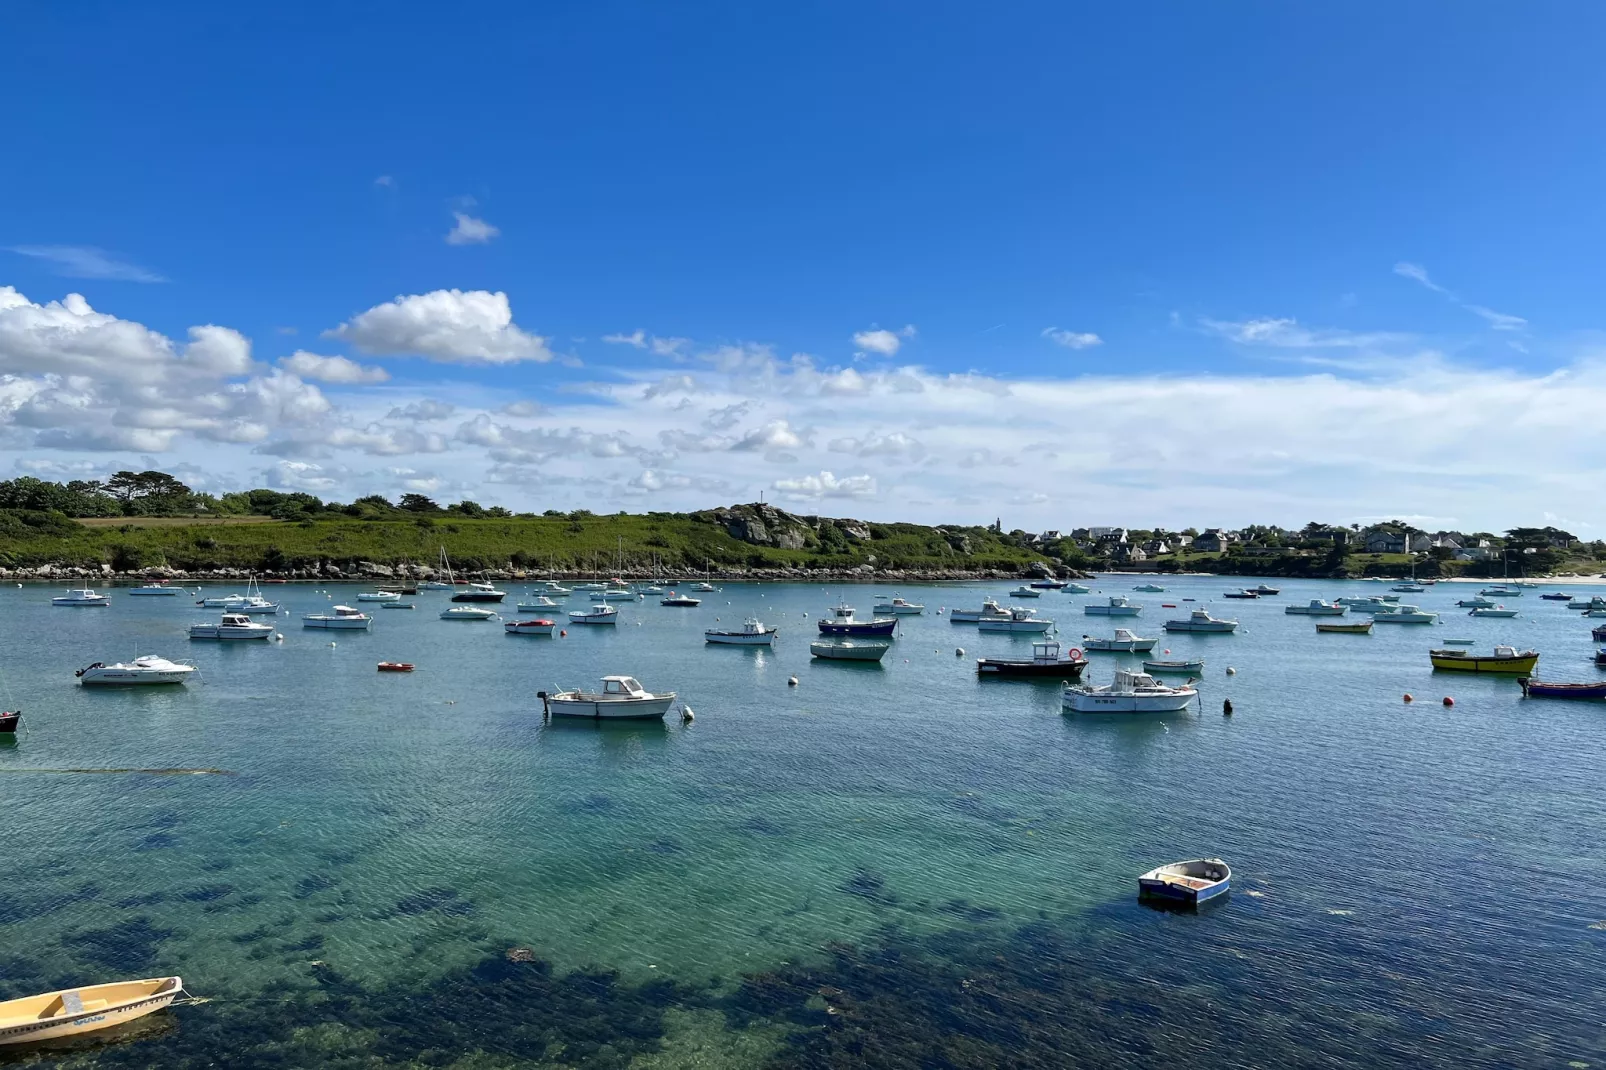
pixel 1408 697
pixel 1448 701
pixel 564 633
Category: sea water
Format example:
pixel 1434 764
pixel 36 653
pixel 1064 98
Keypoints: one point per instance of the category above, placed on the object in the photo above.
pixel 894 864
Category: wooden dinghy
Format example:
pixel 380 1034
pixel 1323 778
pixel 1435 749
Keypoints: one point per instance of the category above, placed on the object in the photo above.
pixel 1544 689
pixel 83 1010
pixel 1361 628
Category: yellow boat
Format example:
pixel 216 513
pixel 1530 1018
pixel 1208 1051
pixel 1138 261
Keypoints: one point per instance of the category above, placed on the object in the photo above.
pixel 1504 659
pixel 83 1010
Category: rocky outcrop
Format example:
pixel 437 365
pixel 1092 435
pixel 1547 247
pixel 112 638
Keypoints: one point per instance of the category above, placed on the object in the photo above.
pixel 760 524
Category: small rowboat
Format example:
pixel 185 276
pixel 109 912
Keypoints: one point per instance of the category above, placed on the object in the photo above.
pixel 538 626
pixel 1541 689
pixel 83 1010
pixel 1359 628
pixel 1195 881
pixel 1188 665
pixel 395 666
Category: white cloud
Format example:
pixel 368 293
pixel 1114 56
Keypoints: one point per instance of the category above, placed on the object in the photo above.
pixel 637 338
pixel 1286 333
pixel 425 410
pixel 896 444
pixel 1500 321
pixel 826 485
pixel 453 326
pixel 775 435
pixel 882 341
pixel 525 408
pixel 332 369
pixel 470 231
pixel 1072 339
pixel 385 180
pixel 87 262
pixel 640 339
pixel 669 347
pixel 1420 274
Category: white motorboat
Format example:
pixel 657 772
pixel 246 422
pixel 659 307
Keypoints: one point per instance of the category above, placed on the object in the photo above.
pixel 555 589
pixel 650 589
pixel 379 596
pixel 601 613
pixel 435 585
pixel 1124 642
pixel 752 633
pixel 1407 615
pixel 1117 607
pixel 1371 605
pixel 1131 692
pixel 254 603
pixel 467 613
pixel 232 626
pixel 619 594
pixel 1587 603
pixel 704 587
pixel 478 592
pixel 1195 881
pixel 1149 588
pixel 536 626
pixel 621 698
pixel 1024 591
pixel 1409 588
pixel 1479 602
pixel 900 607
pixel 540 604
pixel 1076 588
pixel 342 617
pixel 1496 611
pixel 147 669
pixel 1019 622
pixel 82 597
pixel 156 590
pixel 1200 620
pixel 1498 591
pixel 675 599
pixel 591 586
pixel 850 649
pixel 990 610
pixel 1318 608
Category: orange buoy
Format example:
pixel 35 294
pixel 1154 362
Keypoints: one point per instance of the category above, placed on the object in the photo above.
pixel 1408 697
pixel 564 633
pixel 1448 701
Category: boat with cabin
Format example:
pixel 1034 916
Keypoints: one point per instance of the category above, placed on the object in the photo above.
pixel 467 613
pixel 1076 588
pixel 1200 620
pixel 990 610
pixel 1598 633
pixel 622 698
pixel 1046 660
pixel 84 596
pixel 1149 588
pixel 843 622
pixel 674 599
pixel 1491 611
pixel 1505 659
pixel 532 626
pixel 379 596
pixel 1409 588
pixel 1118 606
pixel 1556 596
pixel 479 592
pixel 1479 602
pixel 1189 883
pixel 1317 608
pixel 1048 585
pixel 1124 642
pixel 1239 594
pixel 752 633
pixel 1019 622
pixel 1407 615
pixel 395 666
pixel 86 1009
pixel 899 607
pixel 1501 592
pixel 232 626
pixel 539 605
pixel 146 669
pixel 1264 591
pixel 158 589
pixel 839 649
pixel 600 613
pixel 342 618
pixel 704 587
pixel 1131 692
pixel 1025 592
pixel 1545 689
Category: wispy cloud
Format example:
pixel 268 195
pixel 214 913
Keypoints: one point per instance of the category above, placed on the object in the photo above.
pixel 87 262
pixel 386 181
pixel 1072 339
pixel 470 231
pixel 1288 333
pixel 1500 321
pixel 882 341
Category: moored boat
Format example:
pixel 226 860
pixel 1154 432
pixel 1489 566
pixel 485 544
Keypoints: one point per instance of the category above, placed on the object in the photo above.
pixel 1178 665
pixel 1598 633
pixel 1019 621
pixel 622 698
pixel 900 607
pixel 1264 591
pixel 1076 588
pixel 540 604
pixel 1195 881
pixel 146 669
pixel 600 613
pixel 159 589
pixel 343 618
pixel 534 626
pixel 379 596
pixel 1239 594
pixel 467 613
pixel 1200 620
pixel 1505 659
pixel 1318 608
pixel 1048 585
pixel 1358 628
pixel 1407 615
pixel 1025 592
pixel 478 592
pixel 843 622
pixel 1046 660
pixel 1118 606
pixel 1501 592
pixel 232 626
pixel 1479 602
pixel 850 649
pixel 72 1011
pixel 82 597
pixel 1124 642
pixel 1131 692
pixel 1556 596
pixel 1409 588
pixel 990 609
pixel 1149 588
pixel 395 666
pixel 680 600
pixel 1545 689
pixel 1491 611
pixel 752 633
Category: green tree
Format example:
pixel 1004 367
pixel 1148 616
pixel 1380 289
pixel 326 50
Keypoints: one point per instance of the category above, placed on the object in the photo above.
pixel 418 503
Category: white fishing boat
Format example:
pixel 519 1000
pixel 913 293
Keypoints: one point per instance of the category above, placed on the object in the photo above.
pixel 601 613
pixel 344 618
pixel 159 589
pixel 1124 642
pixel 674 599
pixel 1118 607
pixel 1407 615
pixel 990 610
pixel 469 613
pixel 1024 591
pixel 1501 592
pixel 1149 588
pixel 752 633
pixel 232 626
pixel 1195 881
pixel 1409 588
pixel 536 626
pixel 900 607
pixel 478 592
pixel 619 594
pixel 1372 605
pixel 591 586
pixel 81 597
pixel 850 649
pixel 378 596
pixel 435 585
pixel 1487 611
pixel 539 605
pixel 1318 608
pixel 621 699
pixel 1131 692
pixel 146 669
pixel 1200 620
pixel 1019 622
pixel 1076 588
pixel 705 587
pixel 1479 602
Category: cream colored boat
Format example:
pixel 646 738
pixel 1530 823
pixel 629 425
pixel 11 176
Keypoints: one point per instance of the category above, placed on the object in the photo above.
pixel 83 1010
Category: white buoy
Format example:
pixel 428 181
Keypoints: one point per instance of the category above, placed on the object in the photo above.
pixel 959 652
pixel 1231 671
pixel 686 716
pixel 791 681
pixel 331 642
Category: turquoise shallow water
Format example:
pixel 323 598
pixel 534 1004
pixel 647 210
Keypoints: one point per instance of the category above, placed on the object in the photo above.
pixel 1414 884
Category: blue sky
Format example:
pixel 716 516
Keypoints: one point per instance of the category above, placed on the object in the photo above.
pixel 1189 264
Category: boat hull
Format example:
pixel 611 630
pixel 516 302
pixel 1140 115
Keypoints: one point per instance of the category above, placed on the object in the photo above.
pixel 1058 669
pixel 24 1021
pixel 1173 666
pixel 874 627
pixel 108 677
pixel 1346 629
pixel 1455 661
pixel 9 721
pixel 1190 626
pixel 337 624
pixel 1188 883
pixel 1320 611
pixel 1021 627
pixel 531 627
pixel 1111 611
pixel 478 596
pixel 230 634
pixel 1093 702
pixel 153 592
pixel 740 638
pixel 594 710
pixel 850 651
pixel 1541 689
pixel 1110 646
pixel 586 618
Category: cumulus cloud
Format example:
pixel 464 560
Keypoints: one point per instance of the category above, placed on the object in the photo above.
pixel 332 369
pixel 453 326
pixel 897 444
pixel 885 342
pixel 425 410
pixel 470 231
pixel 775 435
pixel 1072 339
pixel 87 262
pixel 826 485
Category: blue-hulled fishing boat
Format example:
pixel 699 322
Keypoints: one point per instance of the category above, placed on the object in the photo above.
pixel 843 622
